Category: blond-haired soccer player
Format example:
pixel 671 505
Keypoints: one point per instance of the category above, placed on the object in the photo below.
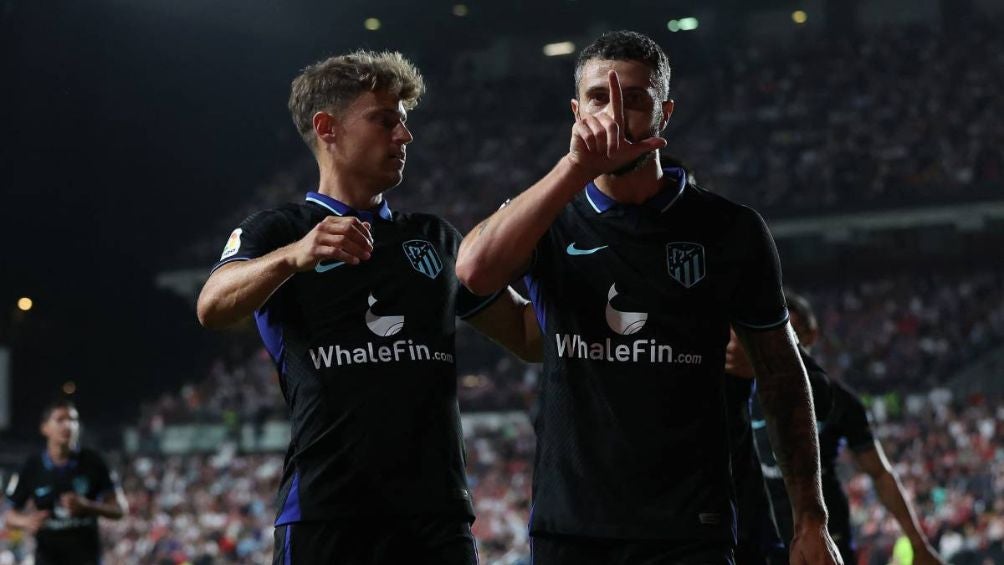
pixel 356 303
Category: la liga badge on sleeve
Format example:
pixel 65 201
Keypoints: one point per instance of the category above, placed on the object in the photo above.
pixel 233 244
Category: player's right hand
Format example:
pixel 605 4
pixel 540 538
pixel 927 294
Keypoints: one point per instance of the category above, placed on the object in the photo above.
pixel 335 238
pixel 598 144
pixel 34 521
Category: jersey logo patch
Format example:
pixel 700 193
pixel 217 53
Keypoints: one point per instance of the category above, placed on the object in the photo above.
pixel 423 257
pixel 624 323
pixel 686 262
pixel 233 244
pixel 383 326
pixel 572 250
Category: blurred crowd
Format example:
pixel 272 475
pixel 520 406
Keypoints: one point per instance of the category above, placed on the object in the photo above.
pixel 894 117
pixel 213 509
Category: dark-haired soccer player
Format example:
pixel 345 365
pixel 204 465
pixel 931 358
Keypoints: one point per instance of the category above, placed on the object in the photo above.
pixel 843 422
pixel 635 276
pixel 59 493
pixel 357 305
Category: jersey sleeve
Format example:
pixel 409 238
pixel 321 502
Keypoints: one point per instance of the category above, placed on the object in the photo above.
pixel 259 234
pixel 758 301
pixel 104 479
pixel 18 489
pixel 468 304
pixel 855 423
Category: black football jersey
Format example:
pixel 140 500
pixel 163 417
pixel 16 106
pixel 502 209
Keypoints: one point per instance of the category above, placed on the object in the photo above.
pixel 635 303
pixel 365 355
pixel 43 483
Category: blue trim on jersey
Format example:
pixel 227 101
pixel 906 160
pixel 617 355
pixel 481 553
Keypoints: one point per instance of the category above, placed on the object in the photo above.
pixel 271 335
pixel 661 201
pixel 539 305
pixel 287 546
pixel 488 301
pixel 291 507
pixel 71 463
pixel 340 208
pixel 784 320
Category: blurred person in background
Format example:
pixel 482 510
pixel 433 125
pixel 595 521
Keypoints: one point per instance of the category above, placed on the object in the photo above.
pixel 59 494
pixel 843 421
pixel 357 306
pixel 632 461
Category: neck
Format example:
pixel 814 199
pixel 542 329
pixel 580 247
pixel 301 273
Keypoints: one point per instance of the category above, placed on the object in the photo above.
pixel 59 453
pixel 635 187
pixel 353 192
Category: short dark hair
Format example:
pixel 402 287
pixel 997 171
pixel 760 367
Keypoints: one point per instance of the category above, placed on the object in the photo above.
pixel 800 305
pixel 56 404
pixel 330 85
pixel 626 45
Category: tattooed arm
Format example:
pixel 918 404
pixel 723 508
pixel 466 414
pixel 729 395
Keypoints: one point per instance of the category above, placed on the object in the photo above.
pixel 783 390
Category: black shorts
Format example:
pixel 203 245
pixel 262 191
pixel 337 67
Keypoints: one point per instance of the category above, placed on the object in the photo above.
pixel 372 541
pixel 573 550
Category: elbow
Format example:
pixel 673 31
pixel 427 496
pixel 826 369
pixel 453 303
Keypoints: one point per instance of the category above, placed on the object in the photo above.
pixel 207 312
pixel 475 277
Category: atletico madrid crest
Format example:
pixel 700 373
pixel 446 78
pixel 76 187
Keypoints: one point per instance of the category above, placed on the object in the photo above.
pixel 423 257
pixel 686 262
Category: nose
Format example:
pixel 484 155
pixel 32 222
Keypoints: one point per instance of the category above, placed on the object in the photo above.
pixel 403 135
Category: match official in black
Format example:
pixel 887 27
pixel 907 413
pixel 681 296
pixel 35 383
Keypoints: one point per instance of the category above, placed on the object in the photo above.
pixel 59 494
pixel 357 305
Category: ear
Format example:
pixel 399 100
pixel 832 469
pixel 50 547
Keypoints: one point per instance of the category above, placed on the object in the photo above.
pixel 324 127
pixel 667 111
pixel 575 109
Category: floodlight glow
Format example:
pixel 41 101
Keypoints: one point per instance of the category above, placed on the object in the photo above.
pixel 372 24
pixel 460 10
pixel 673 26
pixel 562 48
pixel 69 387
pixel 24 304
pixel 687 24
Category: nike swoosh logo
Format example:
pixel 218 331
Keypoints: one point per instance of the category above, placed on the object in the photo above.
pixel 572 250
pixel 325 267
pixel 759 424
pixel 42 491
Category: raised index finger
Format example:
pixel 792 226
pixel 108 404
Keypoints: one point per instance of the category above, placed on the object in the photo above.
pixel 616 98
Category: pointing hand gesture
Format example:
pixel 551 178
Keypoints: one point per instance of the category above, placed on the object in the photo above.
pixel 598 143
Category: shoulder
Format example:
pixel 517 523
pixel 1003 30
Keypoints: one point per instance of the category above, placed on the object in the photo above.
pixel 429 224
pixel 730 218
pixel 91 457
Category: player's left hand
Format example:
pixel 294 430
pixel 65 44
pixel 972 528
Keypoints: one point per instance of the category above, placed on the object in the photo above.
pixel 74 503
pixel 812 545
pixel 736 361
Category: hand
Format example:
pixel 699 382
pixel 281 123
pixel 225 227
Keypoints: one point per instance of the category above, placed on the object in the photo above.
pixel 75 504
pixel 812 545
pixel 598 144
pixel 33 522
pixel 338 238
pixel 737 362
pixel 924 554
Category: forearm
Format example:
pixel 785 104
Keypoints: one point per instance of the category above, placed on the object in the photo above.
pixel 493 253
pixel 890 492
pixel 110 510
pixel 786 399
pixel 237 289
pixel 15 519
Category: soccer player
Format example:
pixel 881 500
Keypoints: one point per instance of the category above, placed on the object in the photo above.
pixel 635 276
pixel 357 305
pixel 844 422
pixel 59 493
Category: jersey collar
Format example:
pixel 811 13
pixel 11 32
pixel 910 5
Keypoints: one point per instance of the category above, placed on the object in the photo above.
pixel 661 201
pixel 50 465
pixel 340 208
